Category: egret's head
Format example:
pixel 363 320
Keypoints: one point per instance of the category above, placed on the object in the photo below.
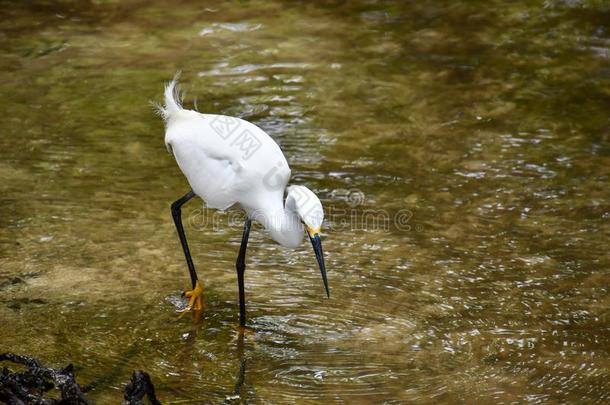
pixel 309 209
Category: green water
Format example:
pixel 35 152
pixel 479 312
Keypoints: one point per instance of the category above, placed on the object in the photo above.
pixel 461 150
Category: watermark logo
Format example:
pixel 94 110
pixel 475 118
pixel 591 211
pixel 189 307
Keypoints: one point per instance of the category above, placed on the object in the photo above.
pixel 247 143
pixel 224 126
pixel 353 214
pixel 243 141
pixel 346 212
pixel 353 197
pixel 273 180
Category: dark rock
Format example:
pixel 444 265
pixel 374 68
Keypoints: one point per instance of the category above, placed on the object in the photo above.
pixel 31 385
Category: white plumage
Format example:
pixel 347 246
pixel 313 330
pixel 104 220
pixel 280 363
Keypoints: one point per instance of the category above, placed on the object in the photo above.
pixel 228 161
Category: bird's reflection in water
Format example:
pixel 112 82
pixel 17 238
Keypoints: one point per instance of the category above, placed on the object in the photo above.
pixel 190 338
pixel 241 376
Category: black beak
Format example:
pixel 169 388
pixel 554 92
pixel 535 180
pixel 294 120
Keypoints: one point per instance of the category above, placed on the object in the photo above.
pixel 317 248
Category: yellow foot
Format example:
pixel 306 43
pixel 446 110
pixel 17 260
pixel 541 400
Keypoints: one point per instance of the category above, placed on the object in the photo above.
pixel 195 297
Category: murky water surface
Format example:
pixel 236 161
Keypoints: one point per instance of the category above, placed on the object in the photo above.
pixel 461 149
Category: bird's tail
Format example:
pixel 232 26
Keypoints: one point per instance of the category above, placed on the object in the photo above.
pixel 172 99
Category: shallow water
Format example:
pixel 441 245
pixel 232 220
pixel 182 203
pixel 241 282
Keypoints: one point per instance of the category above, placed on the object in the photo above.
pixel 460 149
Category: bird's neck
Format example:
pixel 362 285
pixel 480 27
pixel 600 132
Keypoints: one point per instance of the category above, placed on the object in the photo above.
pixel 281 221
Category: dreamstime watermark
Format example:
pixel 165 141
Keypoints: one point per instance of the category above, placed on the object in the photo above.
pixel 357 216
pixel 344 210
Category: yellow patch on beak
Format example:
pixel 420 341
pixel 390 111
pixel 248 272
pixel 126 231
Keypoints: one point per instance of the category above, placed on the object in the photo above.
pixel 312 231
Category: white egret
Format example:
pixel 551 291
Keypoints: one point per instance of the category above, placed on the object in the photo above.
pixel 228 161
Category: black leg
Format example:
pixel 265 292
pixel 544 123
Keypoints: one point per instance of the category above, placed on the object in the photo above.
pixel 240 265
pixel 176 214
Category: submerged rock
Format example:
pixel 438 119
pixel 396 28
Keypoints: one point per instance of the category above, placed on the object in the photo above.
pixel 32 385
